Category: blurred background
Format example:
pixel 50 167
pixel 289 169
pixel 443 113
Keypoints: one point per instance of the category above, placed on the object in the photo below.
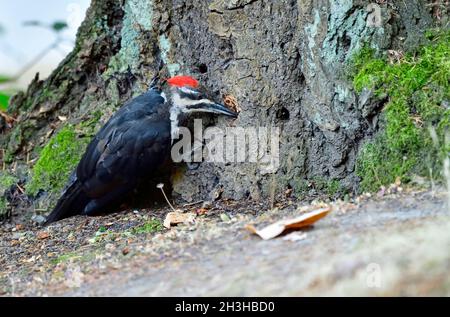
pixel 34 37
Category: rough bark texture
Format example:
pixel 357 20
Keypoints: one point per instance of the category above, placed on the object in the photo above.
pixel 284 61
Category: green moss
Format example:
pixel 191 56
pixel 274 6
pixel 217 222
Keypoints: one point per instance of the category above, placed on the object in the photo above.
pixel 65 258
pixel 74 257
pixel 88 127
pixel 4 211
pixel 15 139
pixel 334 187
pixel 151 226
pixel 8 158
pixel 300 187
pixel 418 93
pixel 6 181
pixel 103 234
pixel 330 187
pixel 57 160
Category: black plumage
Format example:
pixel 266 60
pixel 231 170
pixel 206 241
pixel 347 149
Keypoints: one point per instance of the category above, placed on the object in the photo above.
pixel 134 145
pixel 131 146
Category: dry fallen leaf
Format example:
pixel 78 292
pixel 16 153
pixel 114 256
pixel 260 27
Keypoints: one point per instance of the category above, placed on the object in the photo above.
pixel 42 235
pixel 277 228
pixel 14 242
pixel 288 192
pixel 201 211
pixel 177 216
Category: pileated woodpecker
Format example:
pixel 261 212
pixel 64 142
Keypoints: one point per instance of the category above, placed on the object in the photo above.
pixel 132 146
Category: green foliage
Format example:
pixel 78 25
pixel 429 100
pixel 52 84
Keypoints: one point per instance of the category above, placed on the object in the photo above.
pixel 151 226
pixel 418 91
pixel 57 160
pixel 5 79
pixel 4 100
pixel 58 26
pixel 5 95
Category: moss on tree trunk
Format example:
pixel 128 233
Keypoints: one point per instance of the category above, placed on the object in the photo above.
pixel 284 62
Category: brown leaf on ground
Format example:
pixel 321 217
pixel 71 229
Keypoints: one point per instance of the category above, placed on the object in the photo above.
pixel 279 227
pixel 177 216
pixel 288 192
pixel 14 242
pixel 201 211
pixel 43 235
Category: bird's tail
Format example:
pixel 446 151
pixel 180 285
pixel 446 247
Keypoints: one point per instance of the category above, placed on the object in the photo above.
pixel 72 202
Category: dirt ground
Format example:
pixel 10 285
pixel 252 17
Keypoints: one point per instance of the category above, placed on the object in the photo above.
pixel 397 244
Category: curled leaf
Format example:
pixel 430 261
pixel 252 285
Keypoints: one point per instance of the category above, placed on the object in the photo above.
pixel 177 216
pixel 279 227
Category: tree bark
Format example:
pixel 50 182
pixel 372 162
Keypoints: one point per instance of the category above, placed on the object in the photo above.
pixel 284 61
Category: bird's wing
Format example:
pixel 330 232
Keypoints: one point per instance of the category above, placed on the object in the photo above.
pixel 126 148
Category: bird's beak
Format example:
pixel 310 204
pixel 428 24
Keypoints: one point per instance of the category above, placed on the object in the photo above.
pixel 215 108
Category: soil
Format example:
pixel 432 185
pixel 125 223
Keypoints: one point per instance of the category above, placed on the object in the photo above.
pixel 392 244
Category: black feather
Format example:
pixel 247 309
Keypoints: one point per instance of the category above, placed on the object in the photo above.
pixel 131 146
pixel 72 202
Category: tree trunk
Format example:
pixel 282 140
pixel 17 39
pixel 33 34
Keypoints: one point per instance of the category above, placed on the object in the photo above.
pixel 284 61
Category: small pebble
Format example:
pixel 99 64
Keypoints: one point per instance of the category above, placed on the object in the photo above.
pixel 206 205
pixel 38 219
pixel 43 235
pixel 109 247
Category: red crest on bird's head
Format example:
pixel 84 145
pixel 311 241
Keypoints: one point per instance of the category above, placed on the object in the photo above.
pixel 182 81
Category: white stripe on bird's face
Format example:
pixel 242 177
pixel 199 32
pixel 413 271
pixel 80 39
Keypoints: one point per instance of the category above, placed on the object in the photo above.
pixel 189 91
pixel 186 104
pixel 182 99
